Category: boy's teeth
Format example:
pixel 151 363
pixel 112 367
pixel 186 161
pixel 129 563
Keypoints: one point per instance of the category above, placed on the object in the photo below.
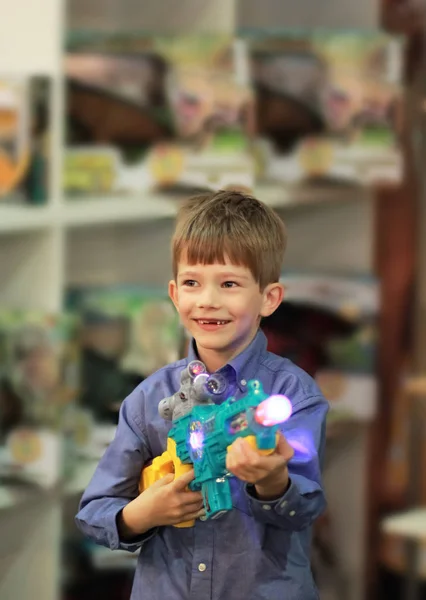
pixel 211 322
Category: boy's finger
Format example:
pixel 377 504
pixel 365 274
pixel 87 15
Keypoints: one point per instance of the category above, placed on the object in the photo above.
pixel 192 497
pixel 284 449
pixel 182 482
pixel 194 506
pixel 247 450
pixel 239 449
pixel 164 480
pixel 191 516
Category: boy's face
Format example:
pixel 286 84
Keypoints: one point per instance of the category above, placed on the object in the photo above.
pixel 220 306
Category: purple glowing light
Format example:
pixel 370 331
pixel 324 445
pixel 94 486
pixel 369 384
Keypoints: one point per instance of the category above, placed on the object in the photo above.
pixel 302 443
pixel 275 409
pixel 299 447
pixel 196 439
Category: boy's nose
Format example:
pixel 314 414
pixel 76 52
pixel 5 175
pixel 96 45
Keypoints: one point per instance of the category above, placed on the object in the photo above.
pixel 208 298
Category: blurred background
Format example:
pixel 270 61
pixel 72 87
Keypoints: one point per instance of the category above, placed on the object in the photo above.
pixel 111 113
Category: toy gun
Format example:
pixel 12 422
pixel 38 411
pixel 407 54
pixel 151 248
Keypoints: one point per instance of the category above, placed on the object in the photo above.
pixel 200 438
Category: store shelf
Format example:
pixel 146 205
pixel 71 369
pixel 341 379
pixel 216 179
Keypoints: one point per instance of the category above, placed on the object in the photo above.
pixel 280 197
pixel 94 211
pixel 81 478
pixel 410 524
pixel 14 219
pixel 13 495
pixel 98 211
pixel 8 497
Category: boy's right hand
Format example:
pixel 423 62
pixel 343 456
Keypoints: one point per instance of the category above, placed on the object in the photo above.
pixel 166 502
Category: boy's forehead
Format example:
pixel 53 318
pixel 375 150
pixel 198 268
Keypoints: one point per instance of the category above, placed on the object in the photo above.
pixel 227 266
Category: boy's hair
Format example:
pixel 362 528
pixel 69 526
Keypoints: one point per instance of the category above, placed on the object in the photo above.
pixel 235 224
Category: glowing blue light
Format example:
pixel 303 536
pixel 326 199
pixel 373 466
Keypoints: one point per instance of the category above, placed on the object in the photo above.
pixel 216 384
pixel 200 380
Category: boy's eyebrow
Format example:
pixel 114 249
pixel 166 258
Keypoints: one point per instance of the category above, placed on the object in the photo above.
pixel 234 275
pixel 188 274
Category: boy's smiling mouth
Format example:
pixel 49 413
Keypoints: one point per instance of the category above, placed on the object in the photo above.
pixel 211 322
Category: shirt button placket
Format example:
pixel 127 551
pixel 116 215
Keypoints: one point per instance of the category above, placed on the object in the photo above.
pixel 201 580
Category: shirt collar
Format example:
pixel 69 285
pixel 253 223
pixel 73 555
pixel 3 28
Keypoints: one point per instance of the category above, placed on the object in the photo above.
pixel 243 366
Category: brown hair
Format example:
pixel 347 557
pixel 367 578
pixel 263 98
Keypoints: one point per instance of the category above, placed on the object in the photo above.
pixel 235 224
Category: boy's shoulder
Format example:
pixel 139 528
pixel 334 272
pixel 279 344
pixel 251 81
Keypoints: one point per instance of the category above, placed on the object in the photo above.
pixel 167 375
pixel 293 380
pixel 144 399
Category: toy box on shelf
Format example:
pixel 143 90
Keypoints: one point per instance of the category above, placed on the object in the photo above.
pixel 156 113
pixel 327 324
pixel 38 386
pixel 328 107
pixel 24 139
pixel 126 333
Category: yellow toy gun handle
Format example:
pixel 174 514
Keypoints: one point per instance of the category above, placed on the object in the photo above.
pixel 251 439
pixel 161 466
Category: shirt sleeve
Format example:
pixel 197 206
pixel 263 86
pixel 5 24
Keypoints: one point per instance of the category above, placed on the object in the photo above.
pixel 304 499
pixel 116 479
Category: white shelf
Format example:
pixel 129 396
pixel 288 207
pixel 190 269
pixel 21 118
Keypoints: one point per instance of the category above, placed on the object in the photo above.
pixel 410 524
pixel 78 482
pixel 98 211
pixel 281 197
pixel 15 219
pixel 94 211
pixel 13 495
pixel 8 497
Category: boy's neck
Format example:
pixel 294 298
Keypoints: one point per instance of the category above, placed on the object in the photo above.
pixel 215 360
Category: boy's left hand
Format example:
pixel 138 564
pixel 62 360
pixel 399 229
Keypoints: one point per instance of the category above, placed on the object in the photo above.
pixel 269 473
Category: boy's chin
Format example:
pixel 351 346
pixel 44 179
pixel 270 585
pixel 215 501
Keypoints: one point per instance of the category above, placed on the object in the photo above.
pixel 213 341
pixel 219 341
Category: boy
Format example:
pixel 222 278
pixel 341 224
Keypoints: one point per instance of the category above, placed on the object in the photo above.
pixel 227 254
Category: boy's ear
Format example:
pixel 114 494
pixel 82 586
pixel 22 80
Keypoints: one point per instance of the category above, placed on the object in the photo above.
pixel 273 295
pixel 173 293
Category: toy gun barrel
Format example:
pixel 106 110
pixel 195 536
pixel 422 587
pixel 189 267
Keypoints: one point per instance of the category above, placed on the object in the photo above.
pixel 258 421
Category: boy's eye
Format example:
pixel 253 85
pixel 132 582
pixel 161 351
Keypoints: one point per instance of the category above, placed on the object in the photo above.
pixel 229 284
pixel 190 283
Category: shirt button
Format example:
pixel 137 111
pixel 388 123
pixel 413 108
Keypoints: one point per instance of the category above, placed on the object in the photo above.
pixel 292 513
pixel 283 503
pixel 204 518
pixel 202 567
pixel 243 382
pixel 266 507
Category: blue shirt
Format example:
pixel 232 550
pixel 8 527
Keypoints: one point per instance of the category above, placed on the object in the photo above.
pixel 257 551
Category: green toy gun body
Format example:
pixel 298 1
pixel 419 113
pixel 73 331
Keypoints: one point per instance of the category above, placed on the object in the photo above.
pixel 200 440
